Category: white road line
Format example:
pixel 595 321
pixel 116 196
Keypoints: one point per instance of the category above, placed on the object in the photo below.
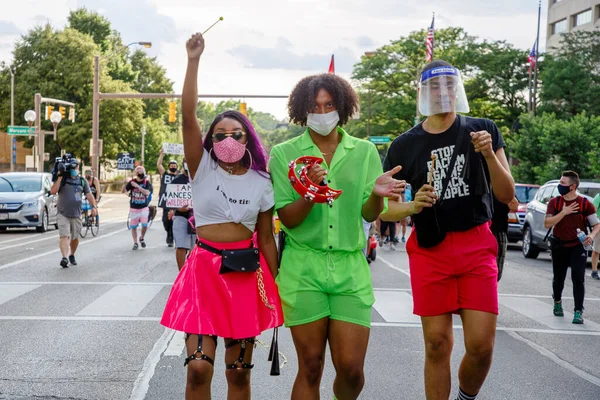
pixel 142 383
pixel 557 360
pixel 9 292
pixel 395 306
pixel 24 260
pixel 392 266
pixel 92 283
pixel 499 328
pixel 539 311
pixel 531 296
pixel 176 345
pixel 27 242
pixel 76 319
pixel 20 238
pixel 122 301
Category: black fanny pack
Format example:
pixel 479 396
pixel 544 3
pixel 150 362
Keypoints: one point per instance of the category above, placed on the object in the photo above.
pixel 237 260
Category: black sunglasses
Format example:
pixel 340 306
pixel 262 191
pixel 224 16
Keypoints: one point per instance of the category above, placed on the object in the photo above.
pixel 237 135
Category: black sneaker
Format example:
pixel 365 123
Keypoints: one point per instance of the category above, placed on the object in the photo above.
pixel 143 243
pixel 64 262
pixel 595 275
pixel 135 246
pixel 72 260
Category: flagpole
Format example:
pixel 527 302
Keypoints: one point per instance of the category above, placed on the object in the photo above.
pixel 537 48
pixel 529 108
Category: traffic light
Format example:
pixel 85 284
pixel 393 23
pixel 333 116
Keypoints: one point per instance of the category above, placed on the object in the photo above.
pixel 243 109
pixel 63 112
pixel 49 110
pixel 172 111
pixel 72 114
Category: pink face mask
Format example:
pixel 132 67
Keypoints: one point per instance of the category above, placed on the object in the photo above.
pixel 229 150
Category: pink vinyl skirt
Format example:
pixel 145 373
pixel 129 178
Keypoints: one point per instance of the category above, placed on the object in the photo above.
pixel 204 302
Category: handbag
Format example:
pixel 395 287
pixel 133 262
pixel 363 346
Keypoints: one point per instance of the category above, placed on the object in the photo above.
pixel 430 233
pixel 237 260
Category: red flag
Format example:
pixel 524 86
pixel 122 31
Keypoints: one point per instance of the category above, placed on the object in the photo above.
pixel 332 66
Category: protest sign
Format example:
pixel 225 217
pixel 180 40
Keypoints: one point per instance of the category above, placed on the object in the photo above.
pixel 178 196
pixel 172 148
pixel 126 161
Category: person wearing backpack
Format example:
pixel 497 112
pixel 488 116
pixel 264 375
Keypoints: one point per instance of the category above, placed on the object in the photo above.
pixel 70 187
pixel 567 213
pixel 140 192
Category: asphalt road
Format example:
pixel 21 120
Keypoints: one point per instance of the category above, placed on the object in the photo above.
pixel 91 331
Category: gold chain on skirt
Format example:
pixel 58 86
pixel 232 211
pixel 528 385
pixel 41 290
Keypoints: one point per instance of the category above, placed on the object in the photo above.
pixel 261 289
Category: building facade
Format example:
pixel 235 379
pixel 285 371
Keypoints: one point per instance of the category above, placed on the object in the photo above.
pixel 569 16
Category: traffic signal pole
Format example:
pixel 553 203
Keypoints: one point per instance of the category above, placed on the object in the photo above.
pixel 97 97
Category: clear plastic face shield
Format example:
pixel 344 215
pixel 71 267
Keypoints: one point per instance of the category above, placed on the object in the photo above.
pixel 441 91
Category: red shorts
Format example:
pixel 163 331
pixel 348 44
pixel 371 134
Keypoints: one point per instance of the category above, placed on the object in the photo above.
pixel 459 273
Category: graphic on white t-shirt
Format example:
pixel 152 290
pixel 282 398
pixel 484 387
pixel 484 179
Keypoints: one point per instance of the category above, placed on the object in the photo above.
pixel 457 187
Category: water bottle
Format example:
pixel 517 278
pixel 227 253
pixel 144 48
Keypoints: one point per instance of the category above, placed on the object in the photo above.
pixel 581 236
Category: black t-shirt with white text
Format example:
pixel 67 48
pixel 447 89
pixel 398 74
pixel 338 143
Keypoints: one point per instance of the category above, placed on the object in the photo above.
pixel 468 200
pixel 165 179
pixel 137 199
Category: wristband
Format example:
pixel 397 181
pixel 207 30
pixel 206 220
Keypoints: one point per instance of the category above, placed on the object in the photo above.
pixel 307 189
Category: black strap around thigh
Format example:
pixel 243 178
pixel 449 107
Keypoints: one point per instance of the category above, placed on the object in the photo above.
pixel 199 354
pixel 240 364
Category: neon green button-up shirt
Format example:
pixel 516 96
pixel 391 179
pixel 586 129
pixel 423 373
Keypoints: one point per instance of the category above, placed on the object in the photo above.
pixel 354 168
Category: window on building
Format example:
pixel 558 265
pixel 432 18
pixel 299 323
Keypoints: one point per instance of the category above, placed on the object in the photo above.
pixel 559 27
pixel 584 17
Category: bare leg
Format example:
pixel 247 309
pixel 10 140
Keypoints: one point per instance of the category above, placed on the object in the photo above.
pixel 64 246
pixel 134 235
pixel 439 340
pixel 348 343
pixel 238 380
pixel 480 334
pixel 143 235
pixel 180 256
pixel 595 261
pixel 74 245
pixel 200 372
pixel 310 341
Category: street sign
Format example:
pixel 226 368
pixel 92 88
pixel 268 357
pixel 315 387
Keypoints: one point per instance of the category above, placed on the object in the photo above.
pixel 380 139
pixel 20 130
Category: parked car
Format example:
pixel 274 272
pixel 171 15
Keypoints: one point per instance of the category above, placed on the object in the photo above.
pixel 524 193
pixel 25 201
pixel 534 231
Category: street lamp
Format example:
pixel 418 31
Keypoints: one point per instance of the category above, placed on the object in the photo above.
pixel 369 54
pixel 30 117
pixel 96 108
pixel 55 118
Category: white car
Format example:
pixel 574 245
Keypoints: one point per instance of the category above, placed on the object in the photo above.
pixel 534 231
pixel 25 201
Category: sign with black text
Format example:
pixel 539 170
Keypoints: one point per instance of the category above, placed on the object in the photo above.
pixel 178 196
pixel 126 161
pixel 172 148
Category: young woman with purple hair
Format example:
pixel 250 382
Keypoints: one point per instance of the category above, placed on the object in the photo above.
pixel 219 290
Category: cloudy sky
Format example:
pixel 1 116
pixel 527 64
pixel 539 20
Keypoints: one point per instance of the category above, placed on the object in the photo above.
pixel 266 46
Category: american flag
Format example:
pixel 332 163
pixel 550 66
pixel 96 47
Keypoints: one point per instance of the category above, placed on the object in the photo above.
pixel 532 55
pixel 429 41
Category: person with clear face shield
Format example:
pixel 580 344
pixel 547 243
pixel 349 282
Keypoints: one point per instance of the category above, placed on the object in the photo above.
pixel 453 163
pixel 140 193
pixel 324 280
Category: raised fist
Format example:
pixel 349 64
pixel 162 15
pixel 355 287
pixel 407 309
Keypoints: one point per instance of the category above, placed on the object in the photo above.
pixel 195 46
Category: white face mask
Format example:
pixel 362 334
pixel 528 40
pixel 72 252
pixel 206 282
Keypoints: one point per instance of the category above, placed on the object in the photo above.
pixel 323 124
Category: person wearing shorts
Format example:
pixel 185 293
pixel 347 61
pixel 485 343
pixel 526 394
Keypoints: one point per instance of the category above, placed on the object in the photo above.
pixel 140 190
pixel 455 273
pixel 324 279
pixel 71 188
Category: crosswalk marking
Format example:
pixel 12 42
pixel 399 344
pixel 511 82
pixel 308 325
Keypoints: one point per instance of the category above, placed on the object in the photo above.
pixel 123 300
pixel 395 306
pixel 542 312
pixel 9 292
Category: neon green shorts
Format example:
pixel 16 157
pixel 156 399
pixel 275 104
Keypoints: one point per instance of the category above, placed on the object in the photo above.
pixel 314 285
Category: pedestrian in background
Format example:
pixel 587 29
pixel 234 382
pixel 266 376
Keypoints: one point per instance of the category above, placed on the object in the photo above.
pixel 166 178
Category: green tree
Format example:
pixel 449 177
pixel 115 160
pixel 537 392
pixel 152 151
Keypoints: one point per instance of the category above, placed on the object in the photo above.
pixel 546 145
pixel 493 72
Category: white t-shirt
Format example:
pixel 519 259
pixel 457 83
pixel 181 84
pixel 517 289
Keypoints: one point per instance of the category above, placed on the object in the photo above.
pixel 220 197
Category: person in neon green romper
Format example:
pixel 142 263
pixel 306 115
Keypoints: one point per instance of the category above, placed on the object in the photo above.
pixel 324 279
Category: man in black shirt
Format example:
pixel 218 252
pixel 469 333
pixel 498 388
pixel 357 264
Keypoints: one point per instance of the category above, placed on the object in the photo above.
pixel 166 177
pixel 453 162
pixel 499 228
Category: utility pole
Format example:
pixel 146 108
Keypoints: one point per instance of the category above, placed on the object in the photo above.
pixel 13 139
pixel 537 53
pixel 95 117
pixel 40 136
pixel 143 145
